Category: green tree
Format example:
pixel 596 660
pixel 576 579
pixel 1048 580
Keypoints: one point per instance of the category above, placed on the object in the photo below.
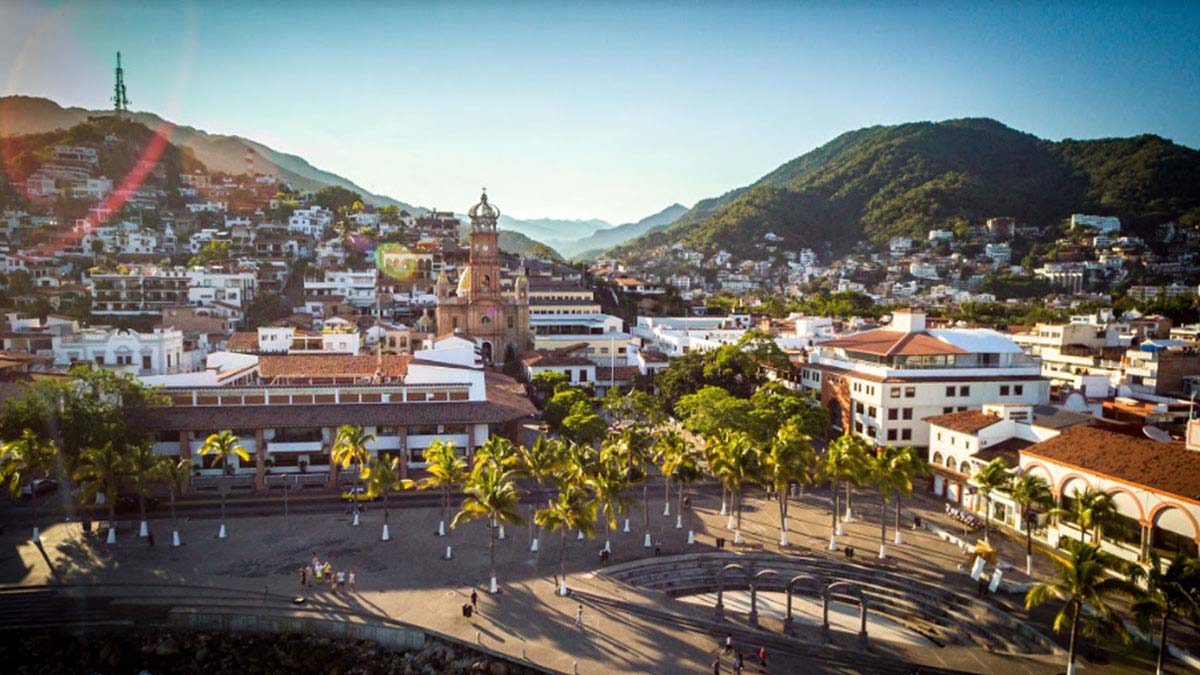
pixel 992 477
pixel 546 383
pixel 224 446
pixel 143 466
pixel 23 459
pixel 569 510
pixel 491 494
pixel 176 474
pixel 350 448
pixel 446 470
pixel 563 403
pixel 583 425
pixel 737 463
pixel 382 476
pixel 844 461
pixel 712 410
pixel 1091 510
pixel 1082 578
pixel 213 253
pixel 608 482
pixel 789 458
pixel 99 472
pixel 681 465
pixel 1029 492
pixel 337 198
pixel 1172 592
pixel 541 462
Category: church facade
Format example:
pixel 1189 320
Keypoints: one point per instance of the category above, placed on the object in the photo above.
pixel 478 310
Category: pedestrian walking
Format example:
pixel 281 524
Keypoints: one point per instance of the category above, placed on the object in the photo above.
pixel 316 564
pixel 762 656
pixel 352 581
pixel 149 538
pixel 579 617
pixel 717 666
pixel 737 663
pixel 729 643
pixel 303 578
pixel 474 601
pixel 341 580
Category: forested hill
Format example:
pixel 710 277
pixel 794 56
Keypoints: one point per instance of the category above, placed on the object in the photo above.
pixel 883 181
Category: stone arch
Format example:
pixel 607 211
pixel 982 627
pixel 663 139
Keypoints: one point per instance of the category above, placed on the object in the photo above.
pixel 937 458
pixel 951 462
pixel 1062 484
pixel 964 468
pixel 1141 511
pixel 1185 517
pixel 486 352
pixel 1045 473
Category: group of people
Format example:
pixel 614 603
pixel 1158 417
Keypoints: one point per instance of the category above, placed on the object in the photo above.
pixel 316 573
pixel 738 661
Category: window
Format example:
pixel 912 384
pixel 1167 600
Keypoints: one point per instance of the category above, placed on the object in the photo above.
pixel 1004 390
pixel 962 408
pixel 858 427
pixel 906 434
pixel 891 434
pixel 858 408
pixel 510 322
pixel 906 413
pixel 939 435
pixel 1018 389
pixel 964 391
pixel 871 411
pixel 146 361
pixel 947 410
pixel 895 392
pixel 949 391
pixel 910 392
pixel 937 458
pixel 893 413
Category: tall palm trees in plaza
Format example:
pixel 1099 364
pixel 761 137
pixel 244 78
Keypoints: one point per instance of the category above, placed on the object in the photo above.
pixel 569 510
pixel 224 446
pixel 992 477
pixel 788 459
pixel 350 448
pixel 491 495
pixel 500 450
pixel 446 470
pixel 669 443
pixel 382 476
pixel 99 471
pixel 175 473
pixel 1171 592
pixel 884 470
pixel 681 465
pixel 540 462
pixel 143 463
pixel 1029 492
pixel 608 480
pixel 23 459
pixel 843 461
pixel 737 463
pixel 1082 579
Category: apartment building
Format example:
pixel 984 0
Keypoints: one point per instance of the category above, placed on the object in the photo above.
pixel 355 287
pixel 159 352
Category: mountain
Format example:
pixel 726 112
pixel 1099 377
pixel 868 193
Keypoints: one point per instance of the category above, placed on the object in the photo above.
pixel 589 246
pixel 511 242
pixel 28 114
pixel 907 179
pixel 544 229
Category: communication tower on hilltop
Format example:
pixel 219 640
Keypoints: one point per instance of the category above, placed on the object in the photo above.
pixel 120 102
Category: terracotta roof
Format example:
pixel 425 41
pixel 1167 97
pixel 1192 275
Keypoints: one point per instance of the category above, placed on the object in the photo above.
pixel 300 366
pixel 653 356
pixel 242 341
pixel 966 421
pixel 553 358
pixel 618 374
pixel 1164 467
pixel 894 343
pixel 1008 450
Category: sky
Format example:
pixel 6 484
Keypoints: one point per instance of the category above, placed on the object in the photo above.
pixel 608 110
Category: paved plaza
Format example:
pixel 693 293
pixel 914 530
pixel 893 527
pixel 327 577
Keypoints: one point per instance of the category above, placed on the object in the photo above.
pixel 406 579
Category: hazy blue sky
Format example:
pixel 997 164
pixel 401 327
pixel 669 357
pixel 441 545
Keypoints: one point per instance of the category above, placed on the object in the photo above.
pixel 611 110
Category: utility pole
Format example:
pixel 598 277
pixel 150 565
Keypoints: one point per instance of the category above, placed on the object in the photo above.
pixel 120 101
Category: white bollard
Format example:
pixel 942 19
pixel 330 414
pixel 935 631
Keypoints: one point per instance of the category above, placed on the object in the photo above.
pixel 679 521
pixel 37 535
pixel 441 528
pixel 626 526
pixel 355 522
pixel 608 546
pixel 386 536
pixel 144 530
pixel 500 534
pixel 533 546
pixel 646 541
pixel 449 553
pixel 175 539
pixel 666 509
pixel 832 542
pixel 221 533
pixel 580 537
pixel 112 535
pixel 494 588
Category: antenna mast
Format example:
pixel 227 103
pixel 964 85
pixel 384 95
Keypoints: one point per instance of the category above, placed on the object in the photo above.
pixel 120 102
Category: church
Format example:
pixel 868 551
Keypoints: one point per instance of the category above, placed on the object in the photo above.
pixel 478 310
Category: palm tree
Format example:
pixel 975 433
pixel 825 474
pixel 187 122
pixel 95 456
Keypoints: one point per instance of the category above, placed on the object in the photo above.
pixel 1170 593
pixel 500 450
pixel 176 475
pixel 843 460
pixel 446 469
pixel 788 459
pixel 541 462
pixel 992 477
pixel 633 450
pixel 608 483
pixel 737 464
pixel 23 459
pixel 1091 510
pixel 882 469
pixel 682 465
pixel 350 447
pixel 712 450
pixel 570 510
pixel 382 476
pixel 1082 578
pixel 142 468
pixel 100 469
pixel 855 467
pixel 491 494
pixel 669 443
pixel 1030 491
pixel 908 466
pixel 224 446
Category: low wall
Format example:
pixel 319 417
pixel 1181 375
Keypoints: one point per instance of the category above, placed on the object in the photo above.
pixel 396 637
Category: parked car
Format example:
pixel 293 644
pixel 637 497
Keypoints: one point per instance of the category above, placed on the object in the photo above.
pixel 38 487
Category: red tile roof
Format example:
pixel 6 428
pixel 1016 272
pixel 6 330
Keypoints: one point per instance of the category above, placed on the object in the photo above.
pixel 243 341
pixel 305 366
pixel 966 421
pixel 894 343
pixel 1163 467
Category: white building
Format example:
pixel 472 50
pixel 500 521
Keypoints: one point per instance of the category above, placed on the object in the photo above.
pixel 1103 224
pixel 207 287
pixel 881 383
pixel 313 221
pixel 209 207
pixel 356 287
pixel 157 353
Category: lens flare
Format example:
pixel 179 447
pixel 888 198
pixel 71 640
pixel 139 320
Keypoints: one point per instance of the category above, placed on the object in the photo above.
pixel 397 261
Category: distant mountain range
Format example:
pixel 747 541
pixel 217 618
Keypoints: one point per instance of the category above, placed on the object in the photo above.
pixel 584 238
pixel 28 114
pixel 883 181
